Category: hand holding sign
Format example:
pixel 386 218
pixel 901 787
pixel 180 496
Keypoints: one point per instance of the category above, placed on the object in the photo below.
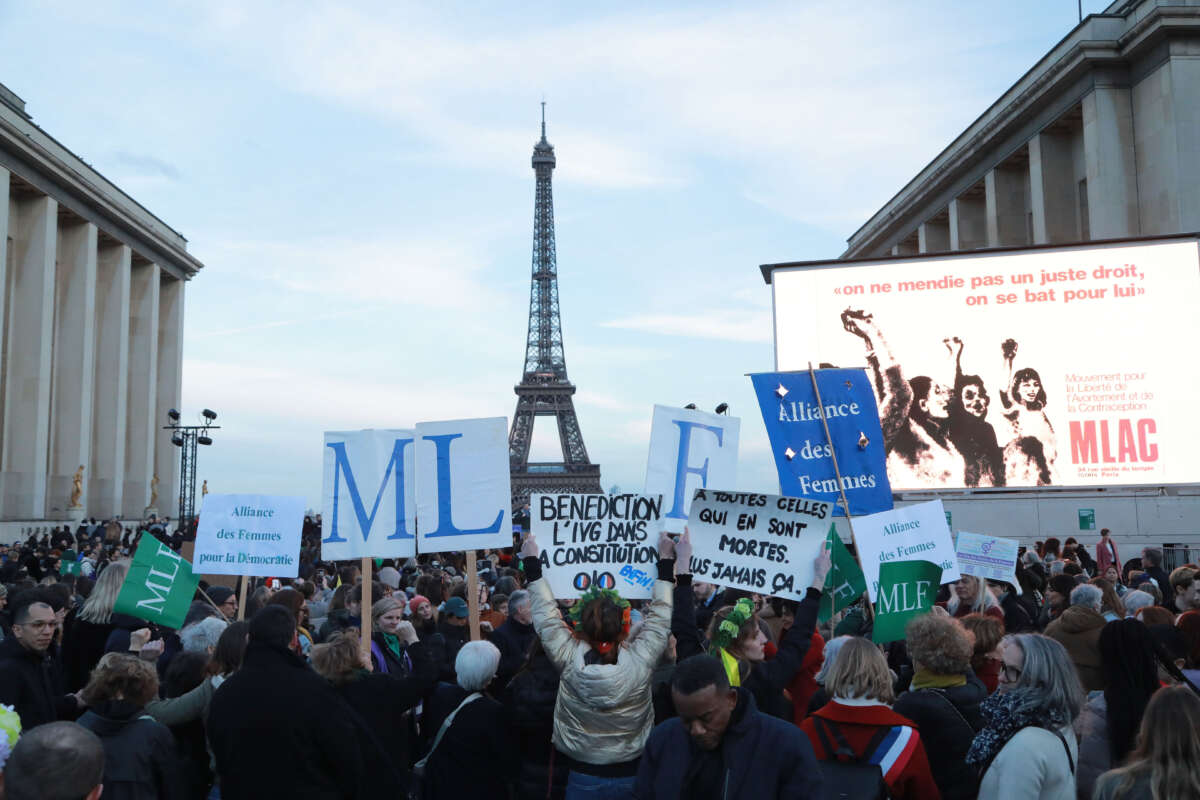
pixel 666 546
pixel 821 566
pixel 529 547
pixel 683 553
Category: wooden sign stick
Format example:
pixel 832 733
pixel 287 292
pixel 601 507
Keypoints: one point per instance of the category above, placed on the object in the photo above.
pixel 472 595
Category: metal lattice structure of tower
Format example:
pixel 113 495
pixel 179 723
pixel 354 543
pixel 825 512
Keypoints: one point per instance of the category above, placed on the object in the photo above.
pixel 544 390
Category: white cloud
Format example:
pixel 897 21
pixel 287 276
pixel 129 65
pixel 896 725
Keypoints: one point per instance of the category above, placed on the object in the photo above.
pixel 637 98
pixel 724 324
pixel 433 273
pixel 311 398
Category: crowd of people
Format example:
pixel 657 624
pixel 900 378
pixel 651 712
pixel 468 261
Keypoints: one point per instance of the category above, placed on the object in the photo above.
pixel 1079 679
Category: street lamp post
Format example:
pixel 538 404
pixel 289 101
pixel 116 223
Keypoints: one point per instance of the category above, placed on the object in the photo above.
pixel 186 438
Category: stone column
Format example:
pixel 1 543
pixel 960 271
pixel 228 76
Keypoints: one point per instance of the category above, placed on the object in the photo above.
pixel 106 476
pixel 1052 189
pixel 170 390
pixel 73 369
pixel 6 256
pixel 28 337
pixel 1112 190
pixel 933 237
pixel 1185 121
pixel 968 223
pixel 1005 190
pixel 141 424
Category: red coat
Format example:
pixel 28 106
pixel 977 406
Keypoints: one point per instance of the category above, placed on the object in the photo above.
pixel 989 674
pixel 804 685
pixel 901 756
pixel 1105 559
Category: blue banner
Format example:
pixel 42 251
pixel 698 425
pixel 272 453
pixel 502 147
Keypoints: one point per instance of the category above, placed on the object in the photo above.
pixel 802 453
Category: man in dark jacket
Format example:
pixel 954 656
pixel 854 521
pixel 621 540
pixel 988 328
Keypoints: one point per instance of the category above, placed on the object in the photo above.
pixel 452 625
pixel 30 678
pixel 1017 616
pixel 721 746
pixel 278 730
pixel 514 638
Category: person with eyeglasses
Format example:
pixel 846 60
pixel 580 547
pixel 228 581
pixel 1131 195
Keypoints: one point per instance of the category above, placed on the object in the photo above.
pixel 1028 747
pixel 31 677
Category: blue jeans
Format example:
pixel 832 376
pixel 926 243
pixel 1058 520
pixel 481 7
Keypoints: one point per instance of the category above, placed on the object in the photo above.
pixel 589 787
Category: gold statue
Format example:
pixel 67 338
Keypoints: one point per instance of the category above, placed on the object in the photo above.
pixel 204 489
pixel 77 487
pixel 154 491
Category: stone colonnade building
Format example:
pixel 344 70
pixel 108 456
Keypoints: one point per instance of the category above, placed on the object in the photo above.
pixel 1099 140
pixel 91 333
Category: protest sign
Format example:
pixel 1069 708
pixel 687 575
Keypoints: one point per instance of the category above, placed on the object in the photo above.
pixel 1102 409
pixel 689 450
pixel 463 497
pixel 906 590
pixel 596 540
pixel 759 542
pixel 375 466
pixel 987 557
pixel 159 586
pixel 249 534
pixel 902 534
pixel 845 582
pixel 803 454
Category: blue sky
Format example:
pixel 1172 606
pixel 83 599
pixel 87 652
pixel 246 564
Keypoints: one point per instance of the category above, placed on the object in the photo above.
pixel 356 179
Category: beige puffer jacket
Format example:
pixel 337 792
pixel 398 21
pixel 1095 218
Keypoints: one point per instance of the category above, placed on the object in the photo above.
pixel 604 712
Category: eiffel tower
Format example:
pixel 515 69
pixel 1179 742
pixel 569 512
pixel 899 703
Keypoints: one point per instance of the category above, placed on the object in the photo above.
pixel 544 390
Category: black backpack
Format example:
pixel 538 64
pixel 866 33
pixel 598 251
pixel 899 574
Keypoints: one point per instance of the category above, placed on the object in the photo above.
pixel 846 775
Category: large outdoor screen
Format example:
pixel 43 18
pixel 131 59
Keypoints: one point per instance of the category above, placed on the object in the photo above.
pixel 1073 366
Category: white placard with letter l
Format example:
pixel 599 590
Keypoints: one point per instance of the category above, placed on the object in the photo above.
pixel 464 500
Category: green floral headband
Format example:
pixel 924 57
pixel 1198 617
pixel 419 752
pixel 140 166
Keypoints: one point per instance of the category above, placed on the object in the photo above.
pixel 595 593
pixel 731 627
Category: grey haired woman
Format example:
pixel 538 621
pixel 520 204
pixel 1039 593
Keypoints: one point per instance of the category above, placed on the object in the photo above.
pixel 1028 747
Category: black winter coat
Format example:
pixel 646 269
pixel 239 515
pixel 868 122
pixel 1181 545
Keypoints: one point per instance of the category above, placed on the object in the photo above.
pixel 475 757
pixel 85 644
pixel 948 720
pixel 513 639
pixel 541 773
pixel 277 729
pixel 1018 616
pixel 453 638
pixel 763 758
pixel 393 664
pixel 32 684
pixel 383 702
pixel 139 754
pixel 767 679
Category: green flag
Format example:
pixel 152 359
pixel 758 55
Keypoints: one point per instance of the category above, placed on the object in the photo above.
pixel 906 590
pixel 160 585
pixel 69 564
pixel 845 582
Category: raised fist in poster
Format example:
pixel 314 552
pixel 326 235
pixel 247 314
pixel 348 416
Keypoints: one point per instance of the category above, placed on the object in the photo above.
pixel 860 323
